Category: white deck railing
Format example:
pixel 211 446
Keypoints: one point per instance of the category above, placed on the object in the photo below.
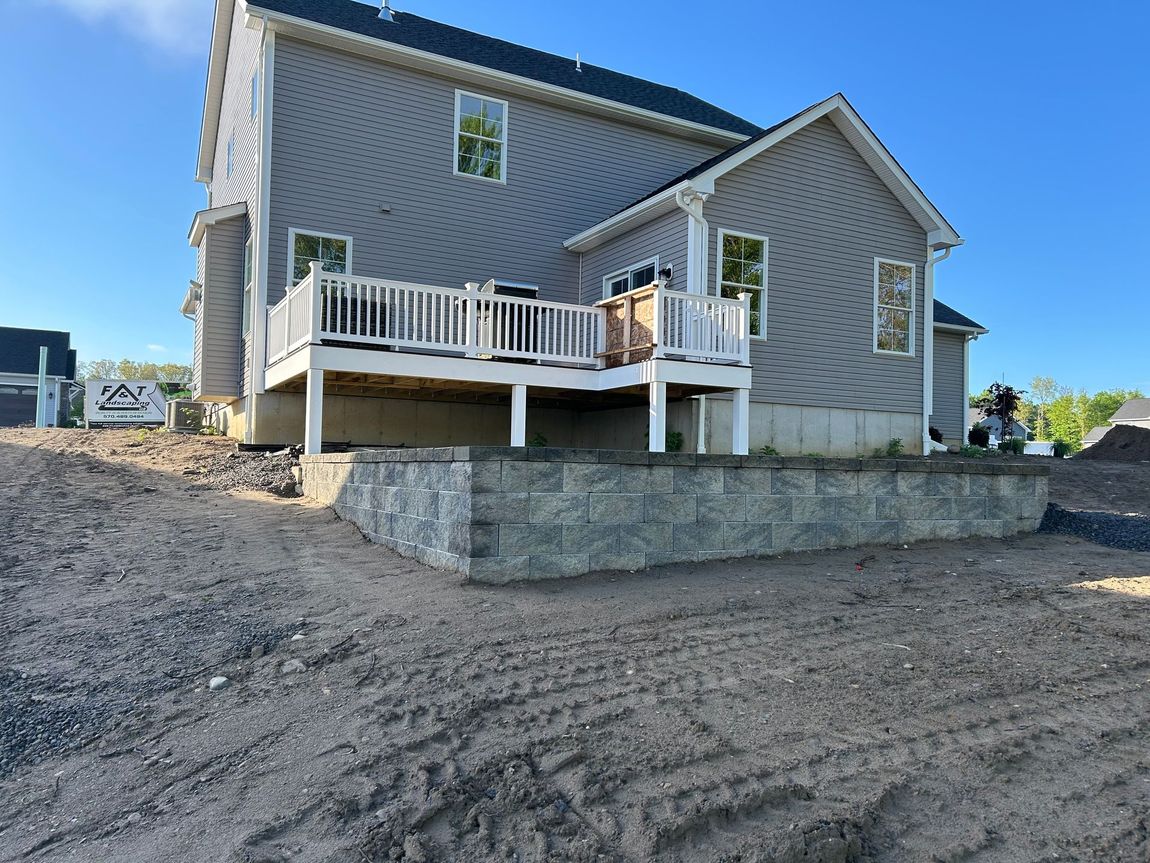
pixel 475 322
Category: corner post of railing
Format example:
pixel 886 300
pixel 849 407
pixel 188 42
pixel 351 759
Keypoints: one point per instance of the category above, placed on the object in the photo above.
pixel 315 302
pixel 745 328
pixel 659 321
pixel 601 337
pixel 286 324
pixel 471 319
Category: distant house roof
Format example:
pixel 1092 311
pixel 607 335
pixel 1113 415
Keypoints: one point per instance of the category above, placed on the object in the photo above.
pixel 974 417
pixel 945 316
pixel 1135 409
pixel 1095 434
pixel 20 352
pixel 423 34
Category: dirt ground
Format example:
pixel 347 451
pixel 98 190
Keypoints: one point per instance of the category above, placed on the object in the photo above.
pixel 975 701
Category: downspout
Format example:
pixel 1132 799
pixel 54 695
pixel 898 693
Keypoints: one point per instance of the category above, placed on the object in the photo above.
pixel 262 230
pixel 697 271
pixel 928 346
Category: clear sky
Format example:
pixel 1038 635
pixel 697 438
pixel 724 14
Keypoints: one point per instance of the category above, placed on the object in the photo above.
pixel 1025 123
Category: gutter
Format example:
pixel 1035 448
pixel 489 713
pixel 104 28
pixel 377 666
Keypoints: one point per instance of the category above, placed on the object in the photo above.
pixel 691 202
pixel 928 347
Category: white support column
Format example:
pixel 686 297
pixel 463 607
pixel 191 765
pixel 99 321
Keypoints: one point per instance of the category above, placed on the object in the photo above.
pixel 313 418
pixel 741 422
pixel 657 429
pixel 518 415
pixel 701 432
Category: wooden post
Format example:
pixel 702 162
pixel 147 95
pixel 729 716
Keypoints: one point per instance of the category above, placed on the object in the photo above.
pixel 741 422
pixel 518 415
pixel 657 431
pixel 313 417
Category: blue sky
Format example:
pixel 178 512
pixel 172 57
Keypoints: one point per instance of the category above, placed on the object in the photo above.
pixel 1024 122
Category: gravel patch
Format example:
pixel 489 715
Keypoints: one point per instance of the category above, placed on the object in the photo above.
pixel 240 471
pixel 1129 532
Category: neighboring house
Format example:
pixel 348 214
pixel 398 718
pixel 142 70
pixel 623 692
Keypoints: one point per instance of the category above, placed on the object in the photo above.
pixel 953 333
pixel 1094 435
pixel 1135 412
pixel 994 425
pixel 20 370
pixel 637 261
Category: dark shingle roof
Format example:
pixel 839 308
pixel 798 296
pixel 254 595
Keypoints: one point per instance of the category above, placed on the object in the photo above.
pixel 1134 409
pixel 423 34
pixel 20 352
pixel 944 314
pixel 1096 434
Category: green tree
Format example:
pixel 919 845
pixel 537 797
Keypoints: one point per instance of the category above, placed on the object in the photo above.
pixel 1073 414
pixel 1043 391
pixel 132 370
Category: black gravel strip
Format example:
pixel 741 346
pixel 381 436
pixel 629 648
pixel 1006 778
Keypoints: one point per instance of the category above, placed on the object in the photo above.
pixel 1129 532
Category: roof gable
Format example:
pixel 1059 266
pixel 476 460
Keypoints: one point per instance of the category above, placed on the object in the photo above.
pixel 947 318
pixel 702 177
pixel 1134 409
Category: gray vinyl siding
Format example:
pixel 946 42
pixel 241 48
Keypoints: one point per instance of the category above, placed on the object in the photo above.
pixel 664 237
pixel 221 309
pixel 827 216
pixel 949 414
pixel 235 118
pixel 198 337
pixel 351 134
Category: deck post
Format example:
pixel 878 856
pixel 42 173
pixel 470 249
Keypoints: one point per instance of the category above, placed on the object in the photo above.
pixel 518 415
pixel 657 431
pixel 313 417
pixel 741 422
pixel 701 431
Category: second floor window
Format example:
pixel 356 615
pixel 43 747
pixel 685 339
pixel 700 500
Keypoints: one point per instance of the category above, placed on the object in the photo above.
pixel 333 251
pixel 743 270
pixel 894 307
pixel 231 154
pixel 255 98
pixel 246 312
pixel 480 136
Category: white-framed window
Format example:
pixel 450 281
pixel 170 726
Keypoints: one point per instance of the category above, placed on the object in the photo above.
pixel 893 307
pixel 480 136
pixel 255 96
pixel 333 250
pixel 231 154
pixel 638 276
pixel 247 298
pixel 743 270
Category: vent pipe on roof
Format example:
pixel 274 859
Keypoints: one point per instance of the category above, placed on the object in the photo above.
pixel 385 11
pixel 578 63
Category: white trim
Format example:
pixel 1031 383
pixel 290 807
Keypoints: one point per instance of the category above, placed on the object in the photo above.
pixel 628 272
pixel 214 90
pixel 323 235
pixel 206 218
pixel 502 179
pixel 965 390
pixel 261 257
pixel 254 100
pixel 913 309
pixel 939 232
pixel 723 232
pixel 958 328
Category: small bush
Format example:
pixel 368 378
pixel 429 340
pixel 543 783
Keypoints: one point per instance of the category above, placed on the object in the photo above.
pixel 1018 446
pixel 674 441
pixel 767 449
pixel 972 452
pixel 978 436
pixel 537 440
pixel 935 435
pixel 1062 449
pixel 893 449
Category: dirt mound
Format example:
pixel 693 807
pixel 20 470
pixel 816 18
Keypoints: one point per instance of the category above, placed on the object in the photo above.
pixel 1121 443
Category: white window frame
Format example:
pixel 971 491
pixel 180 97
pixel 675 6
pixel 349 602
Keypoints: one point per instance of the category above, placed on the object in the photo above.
pixel 913 308
pixel 249 281
pixel 724 233
pixel 628 272
pixel 502 180
pixel 323 235
pixel 231 154
pixel 254 108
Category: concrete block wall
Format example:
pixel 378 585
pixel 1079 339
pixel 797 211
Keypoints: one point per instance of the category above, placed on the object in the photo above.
pixel 499 514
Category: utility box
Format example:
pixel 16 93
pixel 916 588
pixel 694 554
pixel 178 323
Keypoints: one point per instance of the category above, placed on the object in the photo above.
pixel 185 415
pixel 511 327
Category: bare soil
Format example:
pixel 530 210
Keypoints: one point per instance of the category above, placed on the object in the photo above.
pixel 975 701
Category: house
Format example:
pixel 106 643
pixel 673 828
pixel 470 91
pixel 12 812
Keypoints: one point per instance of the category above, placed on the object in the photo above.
pixel 994 425
pixel 19 375
pixel 420 235
pixel 1094 435
pixel 1135 412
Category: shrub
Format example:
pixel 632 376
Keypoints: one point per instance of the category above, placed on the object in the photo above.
pixel 1018 446
pixel 674 441
pixel 972 452
pixel 893 449
pixel 1062 449
pixel 767 449
pixel 978 436
pixel 935 435
pixel 537 440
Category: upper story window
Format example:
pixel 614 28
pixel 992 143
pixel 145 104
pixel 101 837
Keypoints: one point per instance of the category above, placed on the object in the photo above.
pixel 894 307
pixel 247 297
pixel 255 96
pixel 743 270
pixel 231 154
pixel 480 136
pixel 638 276
pixel 332 250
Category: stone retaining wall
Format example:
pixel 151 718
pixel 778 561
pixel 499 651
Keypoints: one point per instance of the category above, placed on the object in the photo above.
pixel 499 514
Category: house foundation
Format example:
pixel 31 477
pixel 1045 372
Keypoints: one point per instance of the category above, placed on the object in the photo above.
pixel 501 514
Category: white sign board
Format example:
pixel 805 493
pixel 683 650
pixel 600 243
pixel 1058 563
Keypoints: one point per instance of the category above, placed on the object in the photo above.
pixel 110 403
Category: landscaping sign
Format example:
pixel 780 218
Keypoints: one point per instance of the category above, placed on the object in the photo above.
pixel 123 403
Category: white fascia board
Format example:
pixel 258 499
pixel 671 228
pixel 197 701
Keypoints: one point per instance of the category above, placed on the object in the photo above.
pixel 301 28
pixel 956 328
pixel 204 218
pixel 624 221
pixel 214 89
